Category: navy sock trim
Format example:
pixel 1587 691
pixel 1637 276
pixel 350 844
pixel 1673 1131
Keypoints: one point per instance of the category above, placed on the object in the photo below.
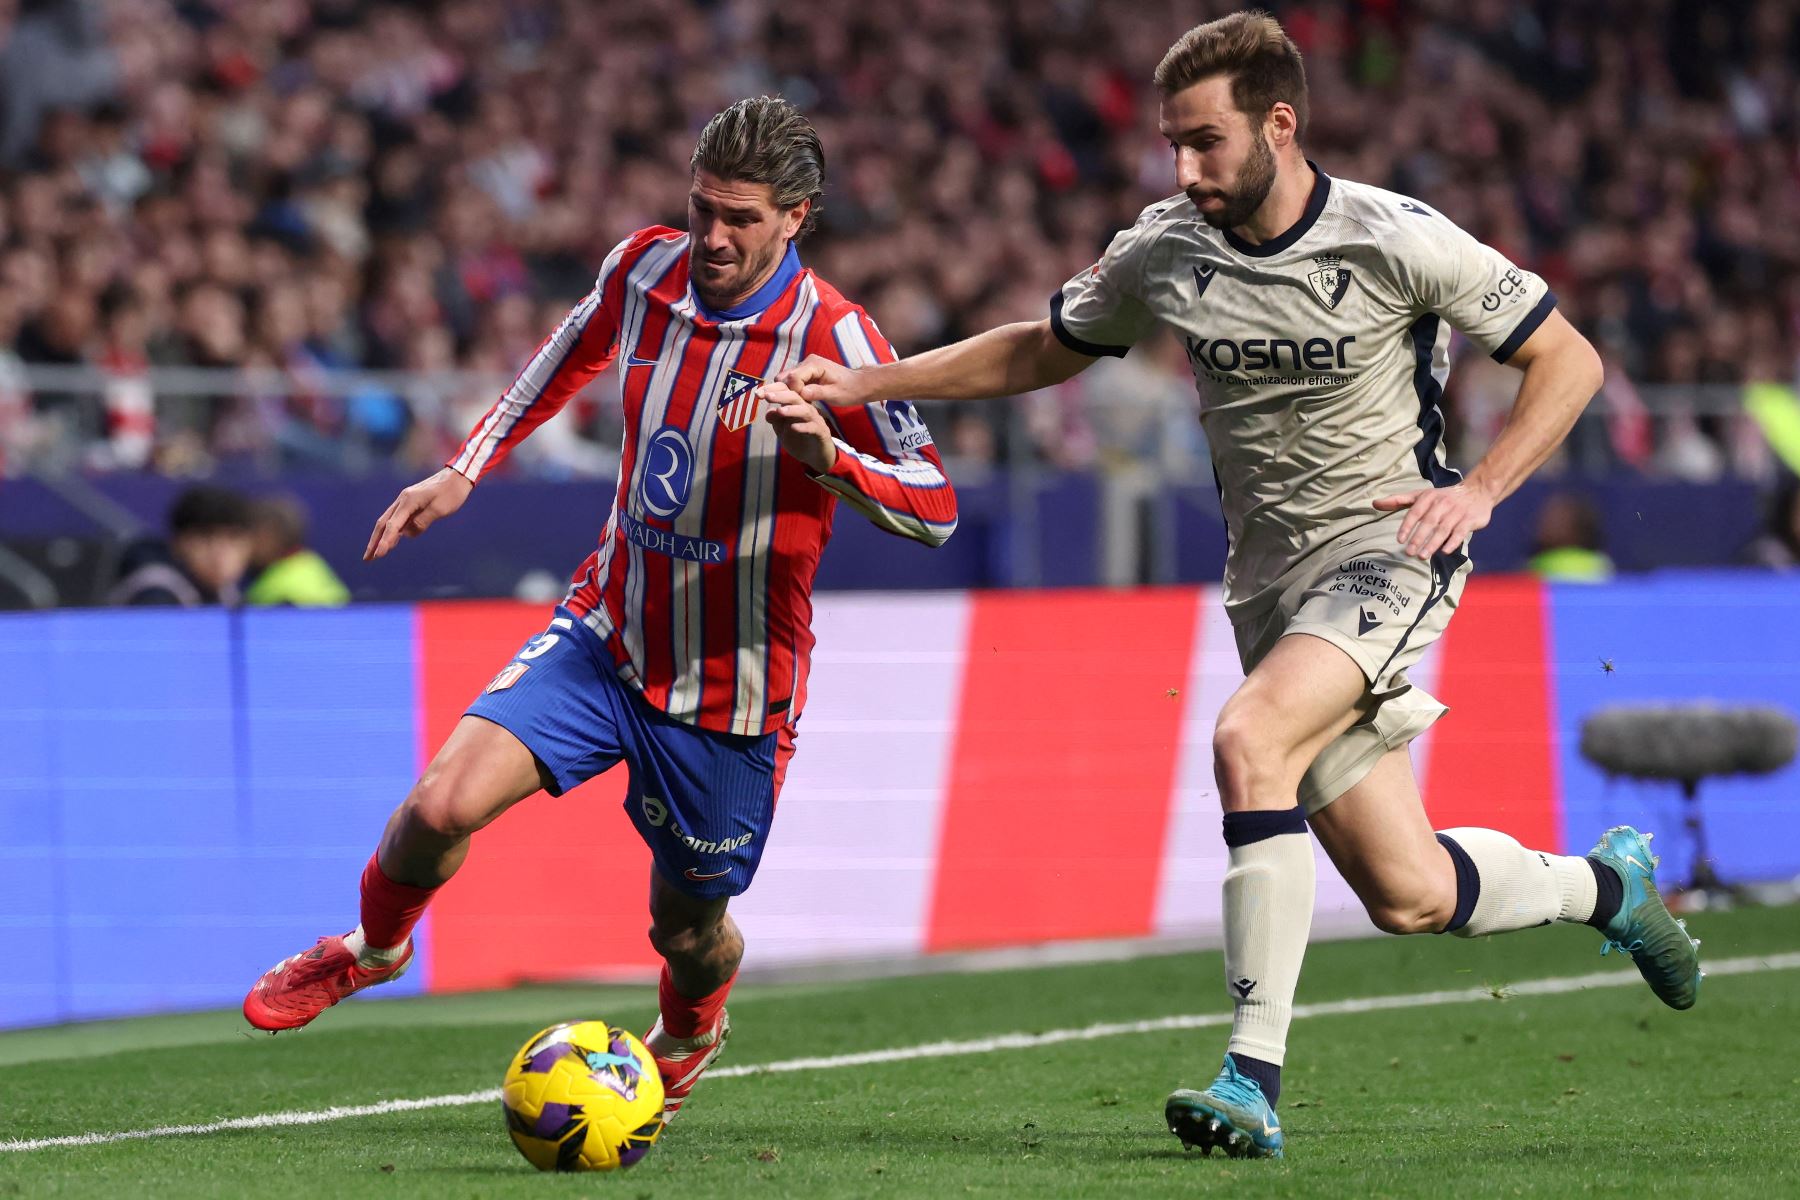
pixel 1609 894
pixel 1468 884
pixel 1245 828
pixel 1266 1074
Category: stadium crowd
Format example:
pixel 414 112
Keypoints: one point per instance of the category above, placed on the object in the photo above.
pixel 319 185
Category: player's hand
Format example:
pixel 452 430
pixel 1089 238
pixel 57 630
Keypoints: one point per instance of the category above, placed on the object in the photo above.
pixel 414 510
pixel 819 380
pixel 1439 518
pixel 803 432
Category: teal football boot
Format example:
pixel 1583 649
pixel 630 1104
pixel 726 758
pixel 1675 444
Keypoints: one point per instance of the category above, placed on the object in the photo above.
pixel 1232 1114
pixel 1667 958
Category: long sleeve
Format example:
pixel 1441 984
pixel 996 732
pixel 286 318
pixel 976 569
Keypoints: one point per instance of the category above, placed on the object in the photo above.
pixel 886 468
pixel 582 346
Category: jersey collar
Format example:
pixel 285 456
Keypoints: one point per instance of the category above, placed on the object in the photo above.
pixel 1315 204
pixel 758 300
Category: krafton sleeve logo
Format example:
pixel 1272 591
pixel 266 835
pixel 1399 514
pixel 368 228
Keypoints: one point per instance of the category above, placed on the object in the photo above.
pixel 1331 280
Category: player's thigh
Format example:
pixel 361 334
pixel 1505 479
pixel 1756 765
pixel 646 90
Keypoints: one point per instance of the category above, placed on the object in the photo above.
pixel 480 771
pixel 1379 838
pixel 1303 693
pixel 703 801
pixel 548 720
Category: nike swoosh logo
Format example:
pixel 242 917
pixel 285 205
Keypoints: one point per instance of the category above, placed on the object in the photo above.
pixel 632 360
pixel 1634 862
pixel 698 877
pixel 1270 1130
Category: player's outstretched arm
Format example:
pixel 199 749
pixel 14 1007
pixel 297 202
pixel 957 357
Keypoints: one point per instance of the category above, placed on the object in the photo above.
pixel 1562 373
pixel 1007 361
pixel 414 510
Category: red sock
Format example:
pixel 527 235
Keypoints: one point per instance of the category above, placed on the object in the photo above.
pixel 683 1017
pixel 389 909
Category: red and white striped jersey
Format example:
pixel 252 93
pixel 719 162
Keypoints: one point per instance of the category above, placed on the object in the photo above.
pixel 702 583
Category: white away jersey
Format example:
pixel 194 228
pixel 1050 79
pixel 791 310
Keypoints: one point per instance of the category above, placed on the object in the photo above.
pixel 1320 356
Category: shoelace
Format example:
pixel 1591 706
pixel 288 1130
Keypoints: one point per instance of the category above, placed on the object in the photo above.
pixel 1237 1090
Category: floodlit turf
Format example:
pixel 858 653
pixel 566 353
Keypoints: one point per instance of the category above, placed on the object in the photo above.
pixel 1604 1092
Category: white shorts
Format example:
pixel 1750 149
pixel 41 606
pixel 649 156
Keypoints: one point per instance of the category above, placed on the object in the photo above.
pixel 1366 596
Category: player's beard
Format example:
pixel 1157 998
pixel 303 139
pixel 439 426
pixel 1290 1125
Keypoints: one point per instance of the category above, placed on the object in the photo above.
pixel 750 271
pixel 1254 180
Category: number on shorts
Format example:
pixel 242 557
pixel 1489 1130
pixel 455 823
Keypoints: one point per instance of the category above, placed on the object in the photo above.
pixel 542 643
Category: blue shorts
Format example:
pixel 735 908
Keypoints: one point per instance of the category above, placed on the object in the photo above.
pixel 702 801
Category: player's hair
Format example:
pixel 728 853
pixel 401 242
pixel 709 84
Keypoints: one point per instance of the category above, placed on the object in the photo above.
pixel 764 139
pixel 1251 47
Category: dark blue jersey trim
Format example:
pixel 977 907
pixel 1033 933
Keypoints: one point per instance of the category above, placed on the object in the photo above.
pixel 1424 334
pixel 1315 204
pixel 1091 349
pixel 1525 328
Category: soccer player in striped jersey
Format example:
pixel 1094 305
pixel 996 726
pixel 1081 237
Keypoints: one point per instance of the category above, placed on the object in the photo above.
pixel 682 646
pixel 1316 315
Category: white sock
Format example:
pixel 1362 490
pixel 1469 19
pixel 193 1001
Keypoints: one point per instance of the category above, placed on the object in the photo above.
pixel 1519 888
pixel 368 956
pixel 1268 915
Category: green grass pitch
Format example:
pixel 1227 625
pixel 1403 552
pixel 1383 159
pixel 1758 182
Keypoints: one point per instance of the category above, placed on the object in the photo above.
pixel 1601 1092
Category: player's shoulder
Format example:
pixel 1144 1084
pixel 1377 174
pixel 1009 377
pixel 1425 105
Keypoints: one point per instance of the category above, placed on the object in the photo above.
pixel 621 268
pixel 651 235
pixel 1388 219
pixel 1155 220
pixel 1143 248
pixel 830 305
pixel 835 316
pixel 1167 211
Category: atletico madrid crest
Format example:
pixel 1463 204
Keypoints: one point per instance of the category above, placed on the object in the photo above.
pixel 737 400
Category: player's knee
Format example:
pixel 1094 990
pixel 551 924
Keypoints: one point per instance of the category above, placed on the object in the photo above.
pixel 438 806
pixel 684 938
pixel 669 942
pixel 1242 749
pixel 1411 913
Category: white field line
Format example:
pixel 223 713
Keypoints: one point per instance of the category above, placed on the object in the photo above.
pixel 946 1049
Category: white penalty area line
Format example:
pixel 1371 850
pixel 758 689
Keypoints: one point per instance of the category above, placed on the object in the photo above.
pixel 945 1049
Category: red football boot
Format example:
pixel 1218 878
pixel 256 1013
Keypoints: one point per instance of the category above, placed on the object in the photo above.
pixel 297 989
pixel 681 1061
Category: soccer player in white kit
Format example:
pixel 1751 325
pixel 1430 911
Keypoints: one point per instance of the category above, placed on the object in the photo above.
pixel 1316 313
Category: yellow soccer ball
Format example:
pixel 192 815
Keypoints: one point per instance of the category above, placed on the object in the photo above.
pixel 583 1096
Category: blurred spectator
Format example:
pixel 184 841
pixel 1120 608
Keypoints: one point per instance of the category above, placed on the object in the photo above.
pixel 1779 546
pixel 285 571
pixel 310 188
pixel 1569 544
pixel 52 54
pixel 201 562
pixel 17 427
pixel 966 438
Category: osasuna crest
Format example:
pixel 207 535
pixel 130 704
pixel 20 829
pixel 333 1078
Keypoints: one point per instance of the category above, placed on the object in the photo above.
pixel 737 400
pixel 1331 280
